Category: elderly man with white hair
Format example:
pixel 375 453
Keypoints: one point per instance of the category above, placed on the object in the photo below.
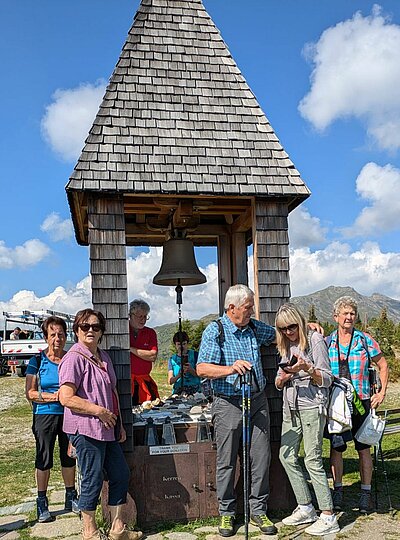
pixel 222 358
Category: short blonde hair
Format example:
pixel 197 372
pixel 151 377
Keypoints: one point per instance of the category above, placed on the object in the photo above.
pixel 343 302
pixel 286 315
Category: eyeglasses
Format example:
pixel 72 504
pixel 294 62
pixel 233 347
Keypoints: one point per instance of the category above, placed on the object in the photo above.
pixel 141 317
pixel 290 328
pixel 85 327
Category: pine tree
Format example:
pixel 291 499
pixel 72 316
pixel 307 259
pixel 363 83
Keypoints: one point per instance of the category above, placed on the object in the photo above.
pixel 311 314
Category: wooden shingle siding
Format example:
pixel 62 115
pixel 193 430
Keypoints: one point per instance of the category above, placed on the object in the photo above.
pixel 272 286
pixel 109 291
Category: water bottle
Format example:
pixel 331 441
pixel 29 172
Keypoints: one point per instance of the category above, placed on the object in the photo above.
pixel 357 404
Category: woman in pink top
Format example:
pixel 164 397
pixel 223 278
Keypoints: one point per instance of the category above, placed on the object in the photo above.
pixel 92 422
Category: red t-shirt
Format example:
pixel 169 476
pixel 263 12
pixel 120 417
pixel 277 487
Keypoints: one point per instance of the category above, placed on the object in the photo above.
pixel 146 340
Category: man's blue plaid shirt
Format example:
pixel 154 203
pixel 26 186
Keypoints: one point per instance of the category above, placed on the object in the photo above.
pixel 238 344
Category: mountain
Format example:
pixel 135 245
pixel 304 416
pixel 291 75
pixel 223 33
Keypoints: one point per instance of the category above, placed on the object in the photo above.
pixel 368 306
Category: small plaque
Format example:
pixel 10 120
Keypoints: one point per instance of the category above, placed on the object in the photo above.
pixel 169 449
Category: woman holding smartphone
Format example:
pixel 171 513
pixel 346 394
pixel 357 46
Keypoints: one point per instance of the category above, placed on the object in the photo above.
pixel 305 376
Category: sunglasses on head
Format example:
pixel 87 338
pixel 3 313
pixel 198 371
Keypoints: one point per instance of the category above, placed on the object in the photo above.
pixel 290 328
pixel 85 327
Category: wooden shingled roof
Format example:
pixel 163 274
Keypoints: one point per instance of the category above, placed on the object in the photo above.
pixel 178 118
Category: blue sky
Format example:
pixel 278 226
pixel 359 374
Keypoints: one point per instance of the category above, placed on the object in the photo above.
pixel 327 75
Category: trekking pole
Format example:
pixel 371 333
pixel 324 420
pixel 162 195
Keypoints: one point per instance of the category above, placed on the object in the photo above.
pixel 376 477
pixel 378 453
pixel 245 381
pixel 385 476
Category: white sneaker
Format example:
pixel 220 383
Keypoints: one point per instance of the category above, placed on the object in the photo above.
pixel 323 526
pixel 300 517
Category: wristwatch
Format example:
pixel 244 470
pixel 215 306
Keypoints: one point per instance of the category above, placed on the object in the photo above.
pixel 311 370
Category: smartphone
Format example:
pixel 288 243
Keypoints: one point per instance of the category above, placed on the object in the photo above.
pixel 291 363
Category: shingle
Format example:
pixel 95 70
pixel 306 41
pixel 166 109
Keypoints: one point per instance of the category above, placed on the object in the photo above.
pixel 178 104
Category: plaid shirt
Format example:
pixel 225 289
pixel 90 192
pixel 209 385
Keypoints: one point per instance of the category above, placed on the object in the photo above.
pixel 238 344
pixel 358 360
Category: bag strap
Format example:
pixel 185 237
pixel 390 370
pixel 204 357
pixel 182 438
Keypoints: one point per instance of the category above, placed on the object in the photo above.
pixel 221 331
pixel 365 346
pixel 309 349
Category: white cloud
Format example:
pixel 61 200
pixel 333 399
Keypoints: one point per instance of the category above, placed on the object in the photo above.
pixel 379 186
pixel 304 230
pixel 29 254
pixel 367 270
pixel 61 299
pixel 198 300
pixel 57 228
pixel 68 119
pixel 356 72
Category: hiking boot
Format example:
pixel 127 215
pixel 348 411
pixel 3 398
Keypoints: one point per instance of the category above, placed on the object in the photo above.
pixel 71 501
pixel 323 526
pixel 264 524
pixel 42 509
pixel 300 517
pixel 337 499
pixel 364 505
pixel 226 526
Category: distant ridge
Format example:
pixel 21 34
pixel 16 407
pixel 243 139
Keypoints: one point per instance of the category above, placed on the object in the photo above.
pixel 368 306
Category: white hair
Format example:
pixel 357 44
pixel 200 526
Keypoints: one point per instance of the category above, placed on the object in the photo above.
pixel 139 304
pixel 343 302
pixel 237 295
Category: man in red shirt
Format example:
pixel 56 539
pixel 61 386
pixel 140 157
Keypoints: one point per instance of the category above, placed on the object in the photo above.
pixel 143 348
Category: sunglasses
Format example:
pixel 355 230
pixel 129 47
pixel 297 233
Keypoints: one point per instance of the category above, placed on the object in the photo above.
pixel 85 327
pixel 290 328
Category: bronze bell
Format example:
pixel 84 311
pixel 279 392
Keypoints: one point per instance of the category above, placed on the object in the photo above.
pixel 178 266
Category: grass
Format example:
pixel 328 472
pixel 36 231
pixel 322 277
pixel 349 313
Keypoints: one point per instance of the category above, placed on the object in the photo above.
pixel 17 450
pixel 160 374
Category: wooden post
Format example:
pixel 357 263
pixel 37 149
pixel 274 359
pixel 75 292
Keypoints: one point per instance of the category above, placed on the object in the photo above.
pixel 239 259
pixel 224 268
pixel 106 223
pixel 271 285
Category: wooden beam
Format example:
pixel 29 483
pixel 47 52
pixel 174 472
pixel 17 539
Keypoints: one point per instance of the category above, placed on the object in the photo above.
pixel 244 222
pixel 183 214
pixel 139 230
pixel 224 269
pixel 239 259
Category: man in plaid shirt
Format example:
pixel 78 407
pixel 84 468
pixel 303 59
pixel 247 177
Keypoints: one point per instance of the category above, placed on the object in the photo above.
pixel 222 358
pixel 351 353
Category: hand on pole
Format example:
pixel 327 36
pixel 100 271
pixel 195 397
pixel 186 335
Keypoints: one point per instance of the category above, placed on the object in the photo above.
pixel 241 366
